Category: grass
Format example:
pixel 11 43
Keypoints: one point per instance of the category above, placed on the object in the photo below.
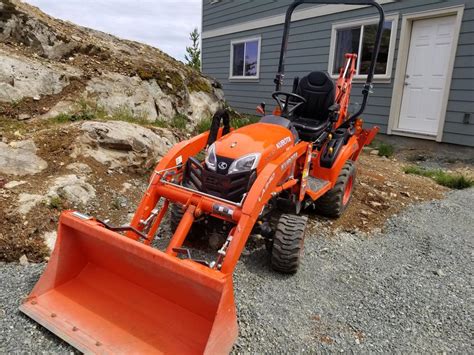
pixel 179 121
pixel 55 203
pixel 386 150
pixel 86 110
pixel 204 125
pixel 453 181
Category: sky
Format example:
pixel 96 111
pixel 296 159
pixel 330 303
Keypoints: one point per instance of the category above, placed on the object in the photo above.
pixel 165 24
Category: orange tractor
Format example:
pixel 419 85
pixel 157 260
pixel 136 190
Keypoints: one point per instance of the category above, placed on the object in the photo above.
pixel 107 290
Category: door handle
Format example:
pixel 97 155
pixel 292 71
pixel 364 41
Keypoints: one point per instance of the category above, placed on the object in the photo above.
pixel 406 83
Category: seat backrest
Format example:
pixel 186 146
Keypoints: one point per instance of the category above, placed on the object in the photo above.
pixel 319 91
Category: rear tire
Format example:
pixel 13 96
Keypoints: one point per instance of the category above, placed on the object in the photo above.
pixel 335 201
pixel 288 243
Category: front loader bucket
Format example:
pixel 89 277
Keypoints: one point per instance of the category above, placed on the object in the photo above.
pixel 105 293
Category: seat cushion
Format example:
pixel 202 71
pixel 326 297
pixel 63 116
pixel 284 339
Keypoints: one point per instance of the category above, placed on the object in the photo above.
pixel 308 128
pixel 319 91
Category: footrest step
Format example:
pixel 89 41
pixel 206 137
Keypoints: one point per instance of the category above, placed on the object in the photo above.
pixel 316 184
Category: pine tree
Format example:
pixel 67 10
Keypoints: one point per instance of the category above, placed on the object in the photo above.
pixel 193 56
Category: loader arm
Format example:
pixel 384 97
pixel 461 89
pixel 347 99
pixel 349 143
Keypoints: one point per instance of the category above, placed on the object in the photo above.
pixel 270 182
pixel 172 162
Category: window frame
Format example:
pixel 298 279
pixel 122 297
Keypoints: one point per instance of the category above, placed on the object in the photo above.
pixel 364 22
pixel 231 62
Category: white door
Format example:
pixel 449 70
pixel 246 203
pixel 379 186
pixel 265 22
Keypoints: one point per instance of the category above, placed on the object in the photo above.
pixel 425 81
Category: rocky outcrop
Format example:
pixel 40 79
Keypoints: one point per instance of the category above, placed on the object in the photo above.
pixel 19 158
pixel 122 145
pixel 23 77
pixel 41 56
pixel 202 105
pixel 144 99
pixel 19 27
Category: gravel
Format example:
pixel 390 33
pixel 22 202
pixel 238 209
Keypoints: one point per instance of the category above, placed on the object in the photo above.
pixel 408 289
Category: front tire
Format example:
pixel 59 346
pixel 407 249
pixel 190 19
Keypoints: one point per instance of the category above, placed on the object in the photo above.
pixel 335 201
pixel 288 243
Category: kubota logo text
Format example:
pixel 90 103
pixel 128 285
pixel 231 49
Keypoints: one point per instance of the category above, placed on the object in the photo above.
pixel 283 142
pixel 288 162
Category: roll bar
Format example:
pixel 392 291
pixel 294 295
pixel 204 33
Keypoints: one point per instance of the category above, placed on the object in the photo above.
pixel 378 39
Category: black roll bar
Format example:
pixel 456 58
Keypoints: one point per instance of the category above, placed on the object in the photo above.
pixel 378 39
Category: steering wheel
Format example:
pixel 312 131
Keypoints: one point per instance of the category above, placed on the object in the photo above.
pixel 288 102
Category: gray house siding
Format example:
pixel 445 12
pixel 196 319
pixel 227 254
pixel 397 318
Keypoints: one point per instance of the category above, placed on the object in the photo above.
pixel 308 50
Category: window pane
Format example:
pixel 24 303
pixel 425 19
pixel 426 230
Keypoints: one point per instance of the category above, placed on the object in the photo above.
pixel 347 41
pixel 368 43
pixel 251 56
pixel 238 66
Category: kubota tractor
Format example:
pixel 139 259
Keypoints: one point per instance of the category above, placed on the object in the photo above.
pixel 107 290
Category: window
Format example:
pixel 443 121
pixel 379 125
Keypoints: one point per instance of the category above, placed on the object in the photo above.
pixel 359 38
pixel 245 59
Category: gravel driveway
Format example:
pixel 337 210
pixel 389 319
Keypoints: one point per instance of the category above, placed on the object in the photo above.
pixel 408 289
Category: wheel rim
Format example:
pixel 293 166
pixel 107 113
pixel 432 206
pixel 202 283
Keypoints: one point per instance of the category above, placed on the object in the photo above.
pixel 348 191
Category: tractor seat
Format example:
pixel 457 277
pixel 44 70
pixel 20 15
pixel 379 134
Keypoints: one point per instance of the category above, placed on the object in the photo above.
pixel 312 118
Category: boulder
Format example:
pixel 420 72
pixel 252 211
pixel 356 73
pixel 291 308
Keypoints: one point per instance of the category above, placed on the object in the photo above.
pixel 26 202
pixel 23 260
pixel 12 184
pixel 19 158
pixel 50 239
pixel 67 106
pixel 202 105
pixel 24 77
pixel 79 168
pixel 116 92
pixel 73 188
pixel 119 144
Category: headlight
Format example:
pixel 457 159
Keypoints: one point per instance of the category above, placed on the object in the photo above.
pixel 211 159
pixel 246 163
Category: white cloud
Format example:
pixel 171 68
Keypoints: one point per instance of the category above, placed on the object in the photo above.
pixel 165 24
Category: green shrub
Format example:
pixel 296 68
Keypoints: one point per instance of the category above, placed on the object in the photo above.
pixel 385 150
pixel 457 182
pixel 453 181
pixel 62 118
pixel 55 203
pixel 124 113
pixel 243 120
pixel 84 110
pixel 179 121
pixel 159 122
pixel 204 125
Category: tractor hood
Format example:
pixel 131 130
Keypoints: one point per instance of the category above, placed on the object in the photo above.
pixel 264 140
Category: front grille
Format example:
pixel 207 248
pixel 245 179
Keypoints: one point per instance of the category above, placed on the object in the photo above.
pixel 231 187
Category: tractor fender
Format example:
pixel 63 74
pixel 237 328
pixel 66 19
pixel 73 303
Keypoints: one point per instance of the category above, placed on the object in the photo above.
pixel 347 152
